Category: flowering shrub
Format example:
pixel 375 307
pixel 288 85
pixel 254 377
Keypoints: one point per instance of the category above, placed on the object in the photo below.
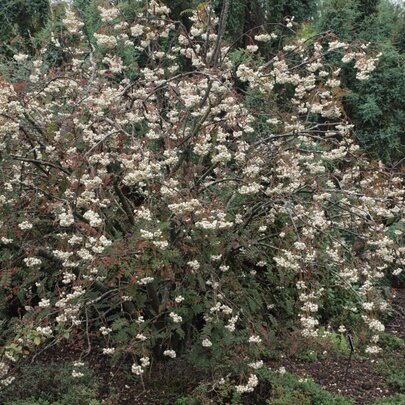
pixel 191 207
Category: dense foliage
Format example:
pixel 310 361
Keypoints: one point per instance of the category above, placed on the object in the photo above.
pixel 376 108
pixel 22 17
pixel 169 195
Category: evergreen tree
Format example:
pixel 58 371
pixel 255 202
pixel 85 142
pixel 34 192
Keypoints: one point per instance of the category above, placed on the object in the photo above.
pixel 22 17
pixel 377 108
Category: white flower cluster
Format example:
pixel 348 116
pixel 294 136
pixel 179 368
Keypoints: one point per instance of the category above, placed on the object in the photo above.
pixel 175 318
pixel 141 337
pixel 374 324
pixel 72 23
pixel 255 339
pixel 231 325
pixel 373 349
pixel 25 225
pixel 217 220
pixel 365 66
pixel 143 213
pixel 206 343
pixel 77 366
pixel 44 303
pixel 93 218
pixel 169 353
pixel 137 30
pixel 20 57
pixel 256 365
pixel 105 41
pixel 185 207
pixel 32 261
pixel 145 280
pixel 114 63
pixel 251 384
pixel 252 48
pixel 337 44
pixel 4 369
pixel 108 14
pixel 194 265
pixel 45 331
pixel 158 9
pixel 105 331
pixel 139 369
pixel 262 37
pixel 66 219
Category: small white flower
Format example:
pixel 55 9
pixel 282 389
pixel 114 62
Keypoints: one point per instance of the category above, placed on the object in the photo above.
pixel 255 339
pixel 376 325
pixel 105 331
pixel 32 261
pixel 45 330
pixel 66 219
pixel 141 337
pixel 137 30
pixel 252 48
pixel 256 365
pixel 397 272
pixel 368 306
pixel 77 374
pixel 179 299
pixel 93 218
pixel 169 353
pixel 20 57
pixel 137 369
pixel 44 303
pixel 281 370
pixel 194 264
pixel 206 343
pixel 250 386
pixel 262 37
pixel 145 280
pixel 145 361
pixel 372 349
pixel 25 225
pixel 175 318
